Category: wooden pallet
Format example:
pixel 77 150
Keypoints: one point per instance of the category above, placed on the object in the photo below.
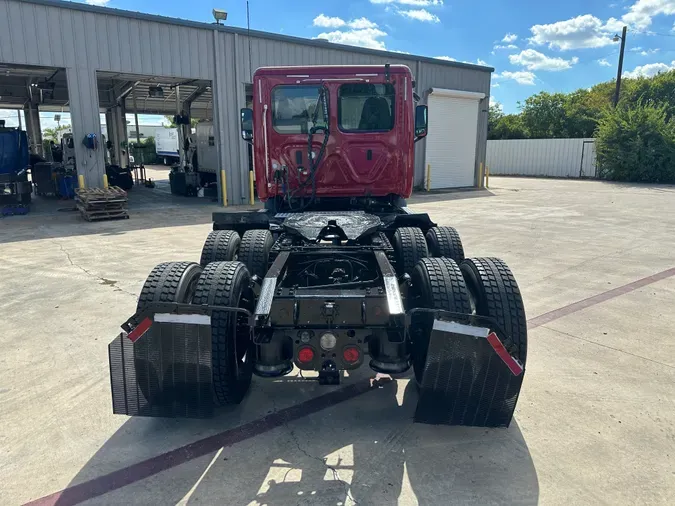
pixel 90 196
pixel 103 214
pixel 102 203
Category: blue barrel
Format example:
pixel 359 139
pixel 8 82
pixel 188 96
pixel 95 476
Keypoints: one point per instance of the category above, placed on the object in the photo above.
pixel 66 186
pixel 13 150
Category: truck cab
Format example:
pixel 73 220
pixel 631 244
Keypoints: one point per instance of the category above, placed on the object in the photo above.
pixel 339 131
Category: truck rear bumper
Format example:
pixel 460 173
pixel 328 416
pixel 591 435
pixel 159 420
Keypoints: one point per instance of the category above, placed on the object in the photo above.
pixel 161 366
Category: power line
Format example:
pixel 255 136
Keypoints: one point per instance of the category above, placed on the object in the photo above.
pixel 653 33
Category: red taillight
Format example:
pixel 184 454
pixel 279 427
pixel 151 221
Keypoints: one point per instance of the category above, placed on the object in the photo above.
pixel 305 355
pixel 351 354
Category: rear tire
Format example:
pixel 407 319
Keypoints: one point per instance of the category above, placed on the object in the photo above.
pixel 410 247
pixel 227 284
pixel 495 293
pixel 254 251
pixel 445 242
pixel 220 246
pixel 170 282
pixel 167 282
pixel 436 283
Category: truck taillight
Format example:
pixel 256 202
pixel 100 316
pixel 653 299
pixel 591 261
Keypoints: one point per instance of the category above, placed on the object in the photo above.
pixel 305 355
pixel 351 354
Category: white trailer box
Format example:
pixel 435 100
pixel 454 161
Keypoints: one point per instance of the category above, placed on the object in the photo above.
pixel 207 153
pixel 166 144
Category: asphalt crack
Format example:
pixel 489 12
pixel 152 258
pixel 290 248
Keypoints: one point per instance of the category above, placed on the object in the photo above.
pixel 101 280
pixel 296 441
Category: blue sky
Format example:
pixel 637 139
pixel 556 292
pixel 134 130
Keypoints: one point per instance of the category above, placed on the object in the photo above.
pixel 534 45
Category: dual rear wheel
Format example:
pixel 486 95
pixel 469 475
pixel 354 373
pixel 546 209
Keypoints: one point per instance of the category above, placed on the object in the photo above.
pixel 481 286
pixel 442 278
pixel 221 278
pixel 225 283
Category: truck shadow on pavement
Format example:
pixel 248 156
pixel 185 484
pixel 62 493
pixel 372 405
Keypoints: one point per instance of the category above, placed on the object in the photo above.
pixel 363 451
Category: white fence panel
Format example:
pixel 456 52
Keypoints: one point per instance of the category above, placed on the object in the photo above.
pixel 542 157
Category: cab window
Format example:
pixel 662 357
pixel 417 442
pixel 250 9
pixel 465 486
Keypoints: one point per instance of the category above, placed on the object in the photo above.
pixel 293 109
pixel 366 107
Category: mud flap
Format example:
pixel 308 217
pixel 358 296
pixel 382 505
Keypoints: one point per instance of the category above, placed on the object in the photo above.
pixel 162 367
pixel 469 378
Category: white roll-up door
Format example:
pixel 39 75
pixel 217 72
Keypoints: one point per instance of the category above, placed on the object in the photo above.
pixel 451 142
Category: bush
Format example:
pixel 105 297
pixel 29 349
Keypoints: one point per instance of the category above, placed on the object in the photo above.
pixel 636 143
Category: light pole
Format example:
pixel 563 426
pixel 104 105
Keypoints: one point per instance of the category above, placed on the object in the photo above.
pixel 622 37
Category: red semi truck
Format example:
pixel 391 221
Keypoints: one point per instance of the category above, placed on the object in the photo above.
pixel 336 273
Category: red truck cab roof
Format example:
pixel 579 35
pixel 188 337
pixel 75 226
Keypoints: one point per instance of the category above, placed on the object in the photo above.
pixel 369 149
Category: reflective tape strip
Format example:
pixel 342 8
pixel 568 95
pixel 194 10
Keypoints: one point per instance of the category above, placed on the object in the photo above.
pixel 393 295
pixel 194 319
pixel 460 328
pixel 140 329
pixel 515 366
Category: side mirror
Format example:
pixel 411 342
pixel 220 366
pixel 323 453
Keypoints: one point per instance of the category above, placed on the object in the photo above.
pixel 421 122
pixel 247 124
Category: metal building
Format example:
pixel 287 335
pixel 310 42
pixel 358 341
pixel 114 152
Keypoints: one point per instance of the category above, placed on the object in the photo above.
pixel 102 60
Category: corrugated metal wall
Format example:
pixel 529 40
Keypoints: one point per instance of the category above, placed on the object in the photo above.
pixel 542 157
pixel 83 39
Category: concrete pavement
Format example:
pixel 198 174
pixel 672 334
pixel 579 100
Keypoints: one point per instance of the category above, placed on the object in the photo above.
pixel 594 423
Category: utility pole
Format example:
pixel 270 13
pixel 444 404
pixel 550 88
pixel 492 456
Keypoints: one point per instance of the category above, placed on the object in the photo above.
pixel 618 75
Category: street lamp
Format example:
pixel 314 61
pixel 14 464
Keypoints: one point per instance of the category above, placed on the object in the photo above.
pixel 219 15
pixel 618 38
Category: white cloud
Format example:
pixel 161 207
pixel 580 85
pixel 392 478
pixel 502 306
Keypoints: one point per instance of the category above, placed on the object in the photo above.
pixel 367 37
pixel 357 32
pixel 361 23
pixel 649 70
pixel 324 21
pixel 507 46
pixel 420 15
pixel 100 3
pixel 588 31
pixel 477 62
pixel 614 25
pixel 636 49
pixel 494 85
pixel 510 37
pixel 416 3
pixel 585 31
pixel 640 14
pixel 604 63
pixel 647 52
pixel 328 22
pixel 521 77
pixel 534 60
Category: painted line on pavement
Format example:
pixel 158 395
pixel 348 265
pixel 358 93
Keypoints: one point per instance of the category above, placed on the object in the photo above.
pixel 597 299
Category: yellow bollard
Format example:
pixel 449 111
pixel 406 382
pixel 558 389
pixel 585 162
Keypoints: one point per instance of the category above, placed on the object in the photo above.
pixel 487 176
pixel 481 176
pixel 80 181
pixel 223 186
pixel 105 181
pixel 428 176
pixel 251 192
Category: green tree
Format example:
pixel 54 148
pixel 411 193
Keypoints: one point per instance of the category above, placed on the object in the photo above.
pixel 509 126
pixel 52 134
pixel 544 115
pixel 636 142
pixel 172 124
